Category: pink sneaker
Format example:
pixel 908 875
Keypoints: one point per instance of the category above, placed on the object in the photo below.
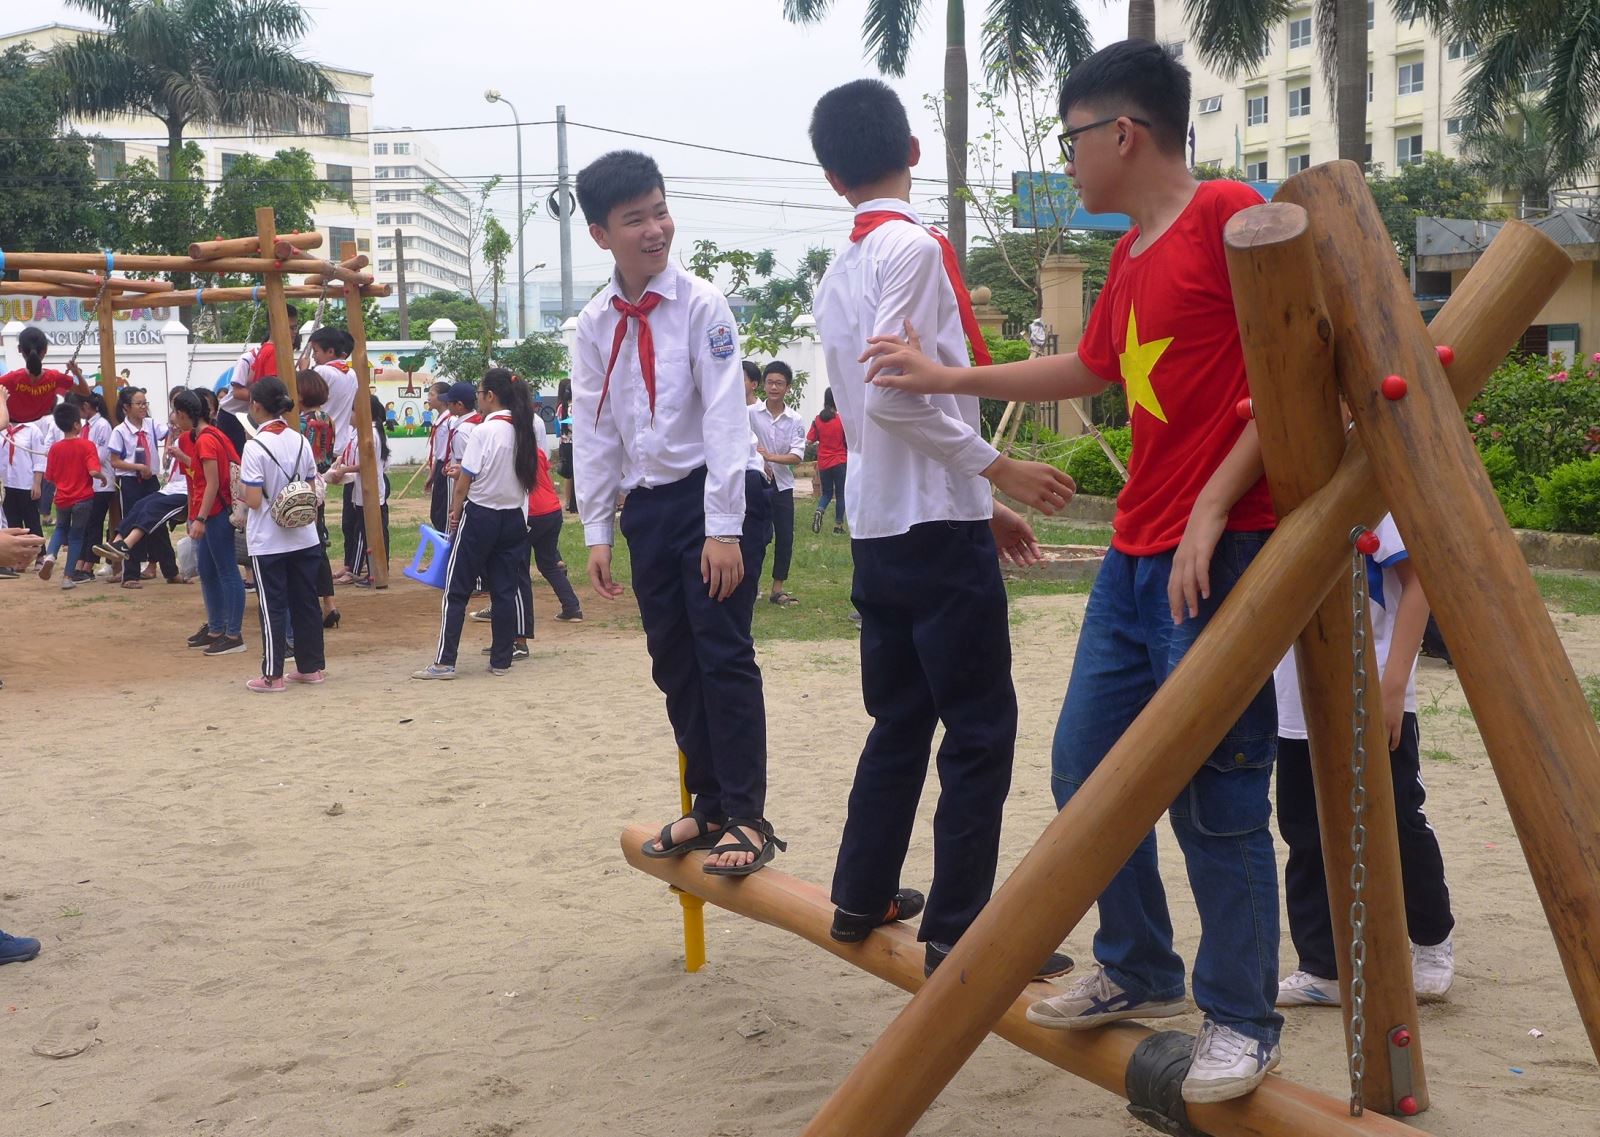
pixel 306 677
pixel 261 685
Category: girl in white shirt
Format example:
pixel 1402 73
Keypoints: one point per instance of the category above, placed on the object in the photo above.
pixel 286 561
pixel 22 454
pixel 489 520
pixel 347 469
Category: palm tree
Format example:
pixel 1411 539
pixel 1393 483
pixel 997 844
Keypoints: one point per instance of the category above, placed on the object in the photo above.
pixel 1523 152
pixel 1020 39
pixel 194 61
pixel 1555 43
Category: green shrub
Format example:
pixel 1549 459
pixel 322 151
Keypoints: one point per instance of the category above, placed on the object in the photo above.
pixel 1088 465
pixel 1572 495
pixel 1542 415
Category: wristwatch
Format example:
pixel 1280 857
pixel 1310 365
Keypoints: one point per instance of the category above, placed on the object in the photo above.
pixel 725 538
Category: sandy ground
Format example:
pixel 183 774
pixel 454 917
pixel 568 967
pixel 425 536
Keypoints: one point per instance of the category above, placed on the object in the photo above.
pixel 460 950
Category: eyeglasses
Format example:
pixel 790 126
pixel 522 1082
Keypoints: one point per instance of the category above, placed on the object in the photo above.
pixel 1069 149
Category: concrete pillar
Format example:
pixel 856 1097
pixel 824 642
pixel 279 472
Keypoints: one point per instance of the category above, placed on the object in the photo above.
pixel 442 331
pixel 1061 308
pixel 569 338
pixel 991 319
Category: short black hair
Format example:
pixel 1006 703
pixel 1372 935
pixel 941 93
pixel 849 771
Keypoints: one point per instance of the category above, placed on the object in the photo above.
pixel 752 372
pixel 860 133
pixel 779 367
pixel 614 179
pixel 1137 78
pixel 67 417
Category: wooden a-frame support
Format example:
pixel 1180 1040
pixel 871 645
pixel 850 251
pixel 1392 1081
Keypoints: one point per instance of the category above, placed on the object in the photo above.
pixel 1536 727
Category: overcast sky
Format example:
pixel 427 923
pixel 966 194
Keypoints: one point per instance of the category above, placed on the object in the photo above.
pixel 726 73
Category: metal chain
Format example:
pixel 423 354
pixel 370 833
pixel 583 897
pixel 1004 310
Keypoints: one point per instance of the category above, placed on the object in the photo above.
pixel 1358 828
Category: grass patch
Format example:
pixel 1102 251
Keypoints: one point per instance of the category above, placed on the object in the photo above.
pixel 820 573
pixel 1591 694
pixel 1439 756
pixel 1578 593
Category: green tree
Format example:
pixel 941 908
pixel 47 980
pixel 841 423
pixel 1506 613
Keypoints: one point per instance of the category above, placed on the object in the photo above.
pixel 1434 187
pixel 287 182
pixel 1049 33
pixel 466 313
pixel 47 186
pixel 540 356
pixel 234 62
pixel 144 213
pixel 496 249
pixel 1522 153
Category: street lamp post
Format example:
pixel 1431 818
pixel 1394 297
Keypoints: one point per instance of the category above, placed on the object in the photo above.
pixel 494 96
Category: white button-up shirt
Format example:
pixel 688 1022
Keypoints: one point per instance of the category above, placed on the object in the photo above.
pixel 128 440
pixel 913 458
pixel 780 435
pixel 491 462
pixel 700 417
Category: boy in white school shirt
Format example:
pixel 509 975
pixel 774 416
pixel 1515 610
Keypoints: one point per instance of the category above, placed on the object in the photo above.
pixel 781 443
pixel 926 537
pixel 659 414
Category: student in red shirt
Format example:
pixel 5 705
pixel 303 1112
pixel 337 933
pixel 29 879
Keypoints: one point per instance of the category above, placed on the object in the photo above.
pixel 209 455
pixel 1194 514
pixel 74 466
pixel 544 532
pixel 32 388
pixel 827 431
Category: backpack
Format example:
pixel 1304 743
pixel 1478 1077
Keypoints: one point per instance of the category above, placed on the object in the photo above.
pixel 295 505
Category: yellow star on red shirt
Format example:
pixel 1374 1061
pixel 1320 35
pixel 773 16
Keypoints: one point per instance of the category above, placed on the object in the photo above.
pixel 1138 360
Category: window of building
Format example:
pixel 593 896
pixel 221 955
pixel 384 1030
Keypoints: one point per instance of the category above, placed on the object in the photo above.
pixel 1300 32
pixel 340 181
pixel 1369 85
pixel 1299 101
pixel 338 238
pixel 381 172
pixel 228 161
pixel 1372 14
pixel 1175 49
pixel 1211 105
pixel 385 266
pixel 1366 155
pixel 363 244
pixel 109 158
pixel 1298 162
pixel 380 147
pixel 1411 78
pixel 336 117
pixel 1458 125
pixel 1257 110
pixel 402 147
pixel 1408 150
pixel 164 161
pixel 1461 49
pixel 1256 170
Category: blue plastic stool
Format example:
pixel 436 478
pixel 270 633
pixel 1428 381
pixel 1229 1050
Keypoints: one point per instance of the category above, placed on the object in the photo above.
pixel 434 548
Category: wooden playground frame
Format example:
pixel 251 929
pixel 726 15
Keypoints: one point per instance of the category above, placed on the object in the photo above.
pixel 91 277
pixel 1324 313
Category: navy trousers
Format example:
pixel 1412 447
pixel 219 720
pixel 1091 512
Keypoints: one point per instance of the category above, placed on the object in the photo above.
pixel 701 654
pixel 286 590
pixel 490 543
pixel 439 501
pixel 935 647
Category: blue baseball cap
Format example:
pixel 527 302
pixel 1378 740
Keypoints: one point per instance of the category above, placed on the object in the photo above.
pixel 464 393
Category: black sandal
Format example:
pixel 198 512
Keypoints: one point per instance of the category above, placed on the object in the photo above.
pixel 770 846
pixel 662 847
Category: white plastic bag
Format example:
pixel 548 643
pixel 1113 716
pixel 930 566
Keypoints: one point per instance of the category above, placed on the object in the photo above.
pixel 188 557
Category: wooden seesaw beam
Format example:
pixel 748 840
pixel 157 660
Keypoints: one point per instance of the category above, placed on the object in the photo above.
pixel 892 953
pixel 94 283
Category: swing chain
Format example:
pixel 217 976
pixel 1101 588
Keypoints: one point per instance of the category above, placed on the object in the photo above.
pixel 1358 828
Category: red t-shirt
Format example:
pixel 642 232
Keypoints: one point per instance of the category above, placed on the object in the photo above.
pixel 542 498
pixel 72 464
pixel 30 398
pixel 829 436
pixel 1164 327
pixel 265 363
pixel 211 444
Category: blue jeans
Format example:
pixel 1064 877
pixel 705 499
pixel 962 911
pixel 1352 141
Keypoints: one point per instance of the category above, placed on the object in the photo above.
pixel 1127 648
pixel 221 586
pixel 833 490
pixel 72 529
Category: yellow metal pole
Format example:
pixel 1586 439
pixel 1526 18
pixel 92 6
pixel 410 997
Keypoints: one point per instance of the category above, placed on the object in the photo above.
pixel 694 907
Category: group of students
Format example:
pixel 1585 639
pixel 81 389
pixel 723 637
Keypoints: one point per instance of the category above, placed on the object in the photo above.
pixel 656 400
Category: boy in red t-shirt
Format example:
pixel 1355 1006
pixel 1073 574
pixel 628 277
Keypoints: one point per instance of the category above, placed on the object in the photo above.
pixel 1193 515
pixel 73 464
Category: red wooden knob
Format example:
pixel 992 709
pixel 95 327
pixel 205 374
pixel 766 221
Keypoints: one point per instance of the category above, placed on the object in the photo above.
pixel 1447 354
pixel 1367 543
pixel 1245 409
pixel 1402 1037
pixel 1394 388
pixel 1407 1106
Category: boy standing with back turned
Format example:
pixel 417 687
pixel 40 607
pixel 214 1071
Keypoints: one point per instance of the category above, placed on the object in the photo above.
pixel 1192 517
pixel 658 395
pixel 925 533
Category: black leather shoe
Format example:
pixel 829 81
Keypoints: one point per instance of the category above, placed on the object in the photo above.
pixel 850 928
pixel 1055 967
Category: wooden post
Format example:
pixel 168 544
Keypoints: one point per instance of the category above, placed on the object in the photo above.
pixel 1289 349
pixel 371 485
pixel 105 315
pixel 278 314
pixel 1536 726
pixel 1279 1108
pixel 1089 840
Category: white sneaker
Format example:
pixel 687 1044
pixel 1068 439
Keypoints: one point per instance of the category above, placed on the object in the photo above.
pixel 1094 1000
pixel 1303 989
pixel 1433 969
pixel 1226 1064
